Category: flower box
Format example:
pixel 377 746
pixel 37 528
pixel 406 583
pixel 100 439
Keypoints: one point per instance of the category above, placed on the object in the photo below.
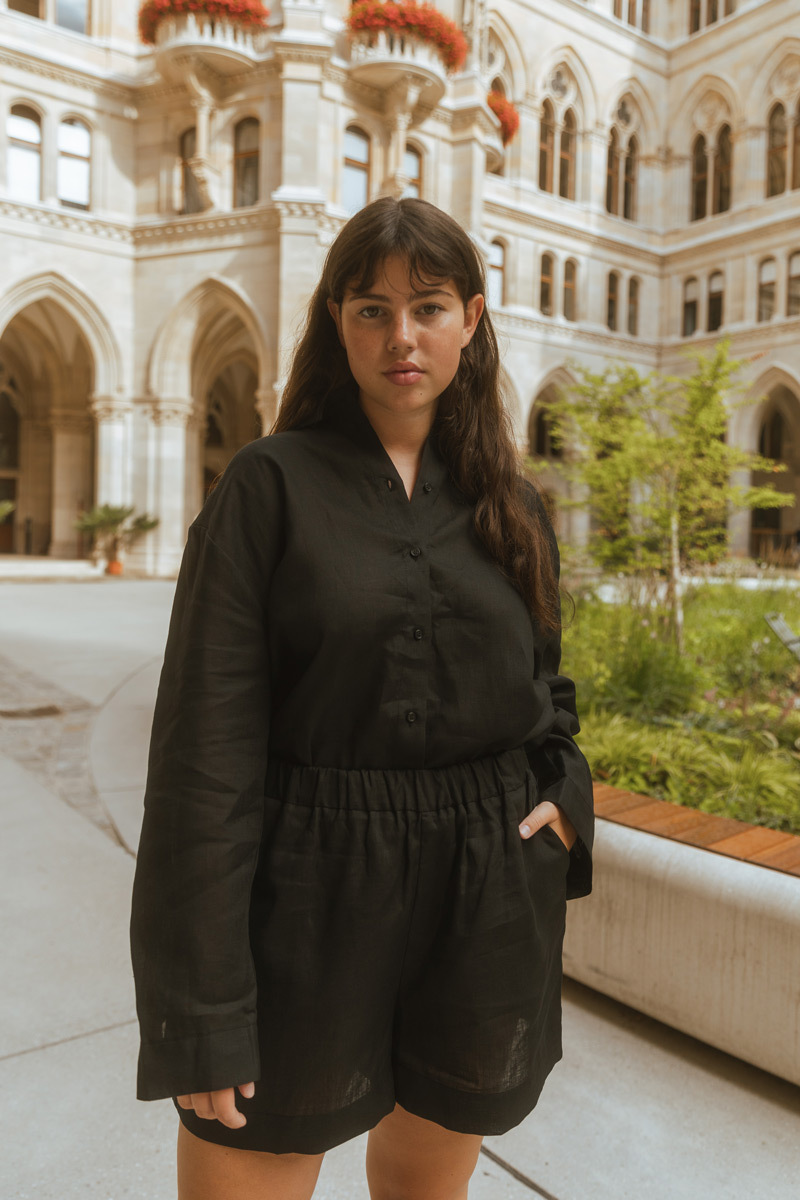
pixel 249 14
pixel 412 21
pixel 506 114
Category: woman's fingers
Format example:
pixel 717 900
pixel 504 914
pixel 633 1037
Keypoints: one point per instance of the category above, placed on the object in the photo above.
pixel 219 1105
pixel 548 813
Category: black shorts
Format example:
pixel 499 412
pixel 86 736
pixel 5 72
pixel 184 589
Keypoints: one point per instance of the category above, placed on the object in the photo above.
pixel 407 944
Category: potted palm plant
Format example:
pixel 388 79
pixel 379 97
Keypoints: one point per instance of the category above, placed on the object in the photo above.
pixel 108 526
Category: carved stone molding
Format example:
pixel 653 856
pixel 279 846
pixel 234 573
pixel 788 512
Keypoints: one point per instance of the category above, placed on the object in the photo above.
pixel 80 76
pixel 67 420
pixel 574 336
pixel 57 218
pixel 171 412
pixel 110 408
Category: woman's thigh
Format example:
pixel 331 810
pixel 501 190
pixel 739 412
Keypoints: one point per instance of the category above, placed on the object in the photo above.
pixel 409 1158
pixel 210 1172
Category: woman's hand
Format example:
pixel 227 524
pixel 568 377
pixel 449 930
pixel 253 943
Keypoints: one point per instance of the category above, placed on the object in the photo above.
pixel 548 813
pixel 220 1105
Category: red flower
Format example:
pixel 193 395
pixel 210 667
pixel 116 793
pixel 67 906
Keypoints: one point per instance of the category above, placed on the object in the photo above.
pixel 506 113
pixel 420 20
pixel 250 13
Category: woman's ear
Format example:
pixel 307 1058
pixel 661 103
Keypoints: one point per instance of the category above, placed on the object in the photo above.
pixel 336 312
pixel 473 310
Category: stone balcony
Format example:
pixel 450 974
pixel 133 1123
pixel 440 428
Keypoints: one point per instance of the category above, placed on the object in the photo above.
pixel 224 46
pixel 390 61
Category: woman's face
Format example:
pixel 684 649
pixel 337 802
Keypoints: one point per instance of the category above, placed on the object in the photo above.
pixel 404 346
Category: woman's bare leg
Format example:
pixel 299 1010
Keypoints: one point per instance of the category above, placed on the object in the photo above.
pixel 409 1158
pixel 210 1172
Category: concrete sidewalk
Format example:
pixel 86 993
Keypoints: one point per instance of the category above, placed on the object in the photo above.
pixel 635 1109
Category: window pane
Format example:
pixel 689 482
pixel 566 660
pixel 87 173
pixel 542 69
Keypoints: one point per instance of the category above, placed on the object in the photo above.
pixel 9 432
pixel 188 143
pixel 496 254
pixel 24 174
pixel 23 128
pixel 29 7
pixel 690 290
pixel 715 283
pixel 767 271
pixel 766 301
pixel 354 188
pixel 247 135
pixel 74 138
pixel 73 14
pixel 689 318
pixel 246 181
pixel 411 164
pixel 73 181
pixel 356 146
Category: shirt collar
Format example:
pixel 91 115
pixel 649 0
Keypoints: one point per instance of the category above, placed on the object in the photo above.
pixel 344 413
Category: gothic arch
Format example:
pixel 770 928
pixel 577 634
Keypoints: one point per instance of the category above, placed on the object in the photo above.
pixel 515 59
pixel 745 420
pixel 585 98
pixel 777 79
pixel 169 375
pixel 645 123
pixel 710 103
pixel 51 285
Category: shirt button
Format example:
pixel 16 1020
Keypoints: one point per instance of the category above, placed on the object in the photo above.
pixel 390 484
pixel 418 633
pixel 411 716
pixel 415 552
pixel 427 487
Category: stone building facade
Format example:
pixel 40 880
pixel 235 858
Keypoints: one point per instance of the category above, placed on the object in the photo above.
pixel 164 213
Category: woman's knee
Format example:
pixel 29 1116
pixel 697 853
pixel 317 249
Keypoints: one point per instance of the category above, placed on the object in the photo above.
pixel 207 1171
pixel 410 1158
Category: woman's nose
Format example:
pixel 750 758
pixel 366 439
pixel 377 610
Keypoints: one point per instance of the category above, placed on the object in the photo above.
pixel 401 332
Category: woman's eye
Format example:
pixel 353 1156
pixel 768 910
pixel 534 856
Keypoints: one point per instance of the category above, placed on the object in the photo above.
pixel 429 310
pixel 371 310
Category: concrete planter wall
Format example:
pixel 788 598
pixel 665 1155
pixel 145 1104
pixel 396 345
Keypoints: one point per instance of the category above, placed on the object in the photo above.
pixel 703 942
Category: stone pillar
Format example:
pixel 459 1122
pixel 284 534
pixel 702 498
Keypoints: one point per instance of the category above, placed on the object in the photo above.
pixel 268 400
pixel 49 160
pixel 71 479
pixel 680 192
pixel 113 452
pixel 167 493
pixel 194 494
pixel 596 153
pixel 750 165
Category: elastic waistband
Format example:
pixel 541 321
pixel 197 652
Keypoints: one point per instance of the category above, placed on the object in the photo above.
pixel 403 789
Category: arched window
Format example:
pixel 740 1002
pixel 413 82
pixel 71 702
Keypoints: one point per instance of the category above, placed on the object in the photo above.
pixel 73 14
pixel 612 300
pixel 631 173
pixel 24 176
pixel 767 275
pixel 776 151
pixel 723 165
pixel 355 177
pixel 793 290
pixel 796 149
pixel 699 178
pixel 246 137
pixel 412 169
pixel 690 298
pixel 547 137
pixel 570 290
pixel 772 437
pixel 716 301
pixel 546 286
pixel 612 173
pixel 496 280
pixel 566 161
pixel 694 15
pixel 546 445
pixel 74 163
pixel 633 307
pixel 191 199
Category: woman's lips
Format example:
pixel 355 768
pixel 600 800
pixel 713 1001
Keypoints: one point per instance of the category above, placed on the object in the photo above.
pixel 404 376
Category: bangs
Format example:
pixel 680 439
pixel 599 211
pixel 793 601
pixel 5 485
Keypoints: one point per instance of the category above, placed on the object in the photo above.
pixel 432 255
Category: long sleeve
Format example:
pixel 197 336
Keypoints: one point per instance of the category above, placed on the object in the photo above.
pixel 561 770
pixel 195 983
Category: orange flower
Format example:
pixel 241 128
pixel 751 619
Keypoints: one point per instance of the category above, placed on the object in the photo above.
pixel 251 13
pixel 506 114
pixel 422 21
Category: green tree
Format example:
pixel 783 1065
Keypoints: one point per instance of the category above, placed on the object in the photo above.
pixel 107 524
pixel 651 461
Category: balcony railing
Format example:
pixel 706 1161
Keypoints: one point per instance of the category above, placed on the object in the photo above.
pixel 225 46
pixel 382 57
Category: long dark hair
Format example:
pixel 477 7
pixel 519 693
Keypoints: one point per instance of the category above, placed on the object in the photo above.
pixel 472 427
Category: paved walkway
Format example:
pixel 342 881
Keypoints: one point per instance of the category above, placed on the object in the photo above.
pixel 635 1111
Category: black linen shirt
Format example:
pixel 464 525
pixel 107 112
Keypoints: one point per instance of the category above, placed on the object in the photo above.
pixel 320 617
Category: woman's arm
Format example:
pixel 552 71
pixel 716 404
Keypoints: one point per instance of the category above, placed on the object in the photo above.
pixel 561 770
pixel 195 984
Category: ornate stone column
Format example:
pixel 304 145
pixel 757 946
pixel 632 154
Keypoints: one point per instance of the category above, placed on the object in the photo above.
pixel 268 401
pixel 71 479
pixel 113 453
pixel 167 493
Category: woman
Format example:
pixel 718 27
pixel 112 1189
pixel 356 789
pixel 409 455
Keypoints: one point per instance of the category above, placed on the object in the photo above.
pixel 365 808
